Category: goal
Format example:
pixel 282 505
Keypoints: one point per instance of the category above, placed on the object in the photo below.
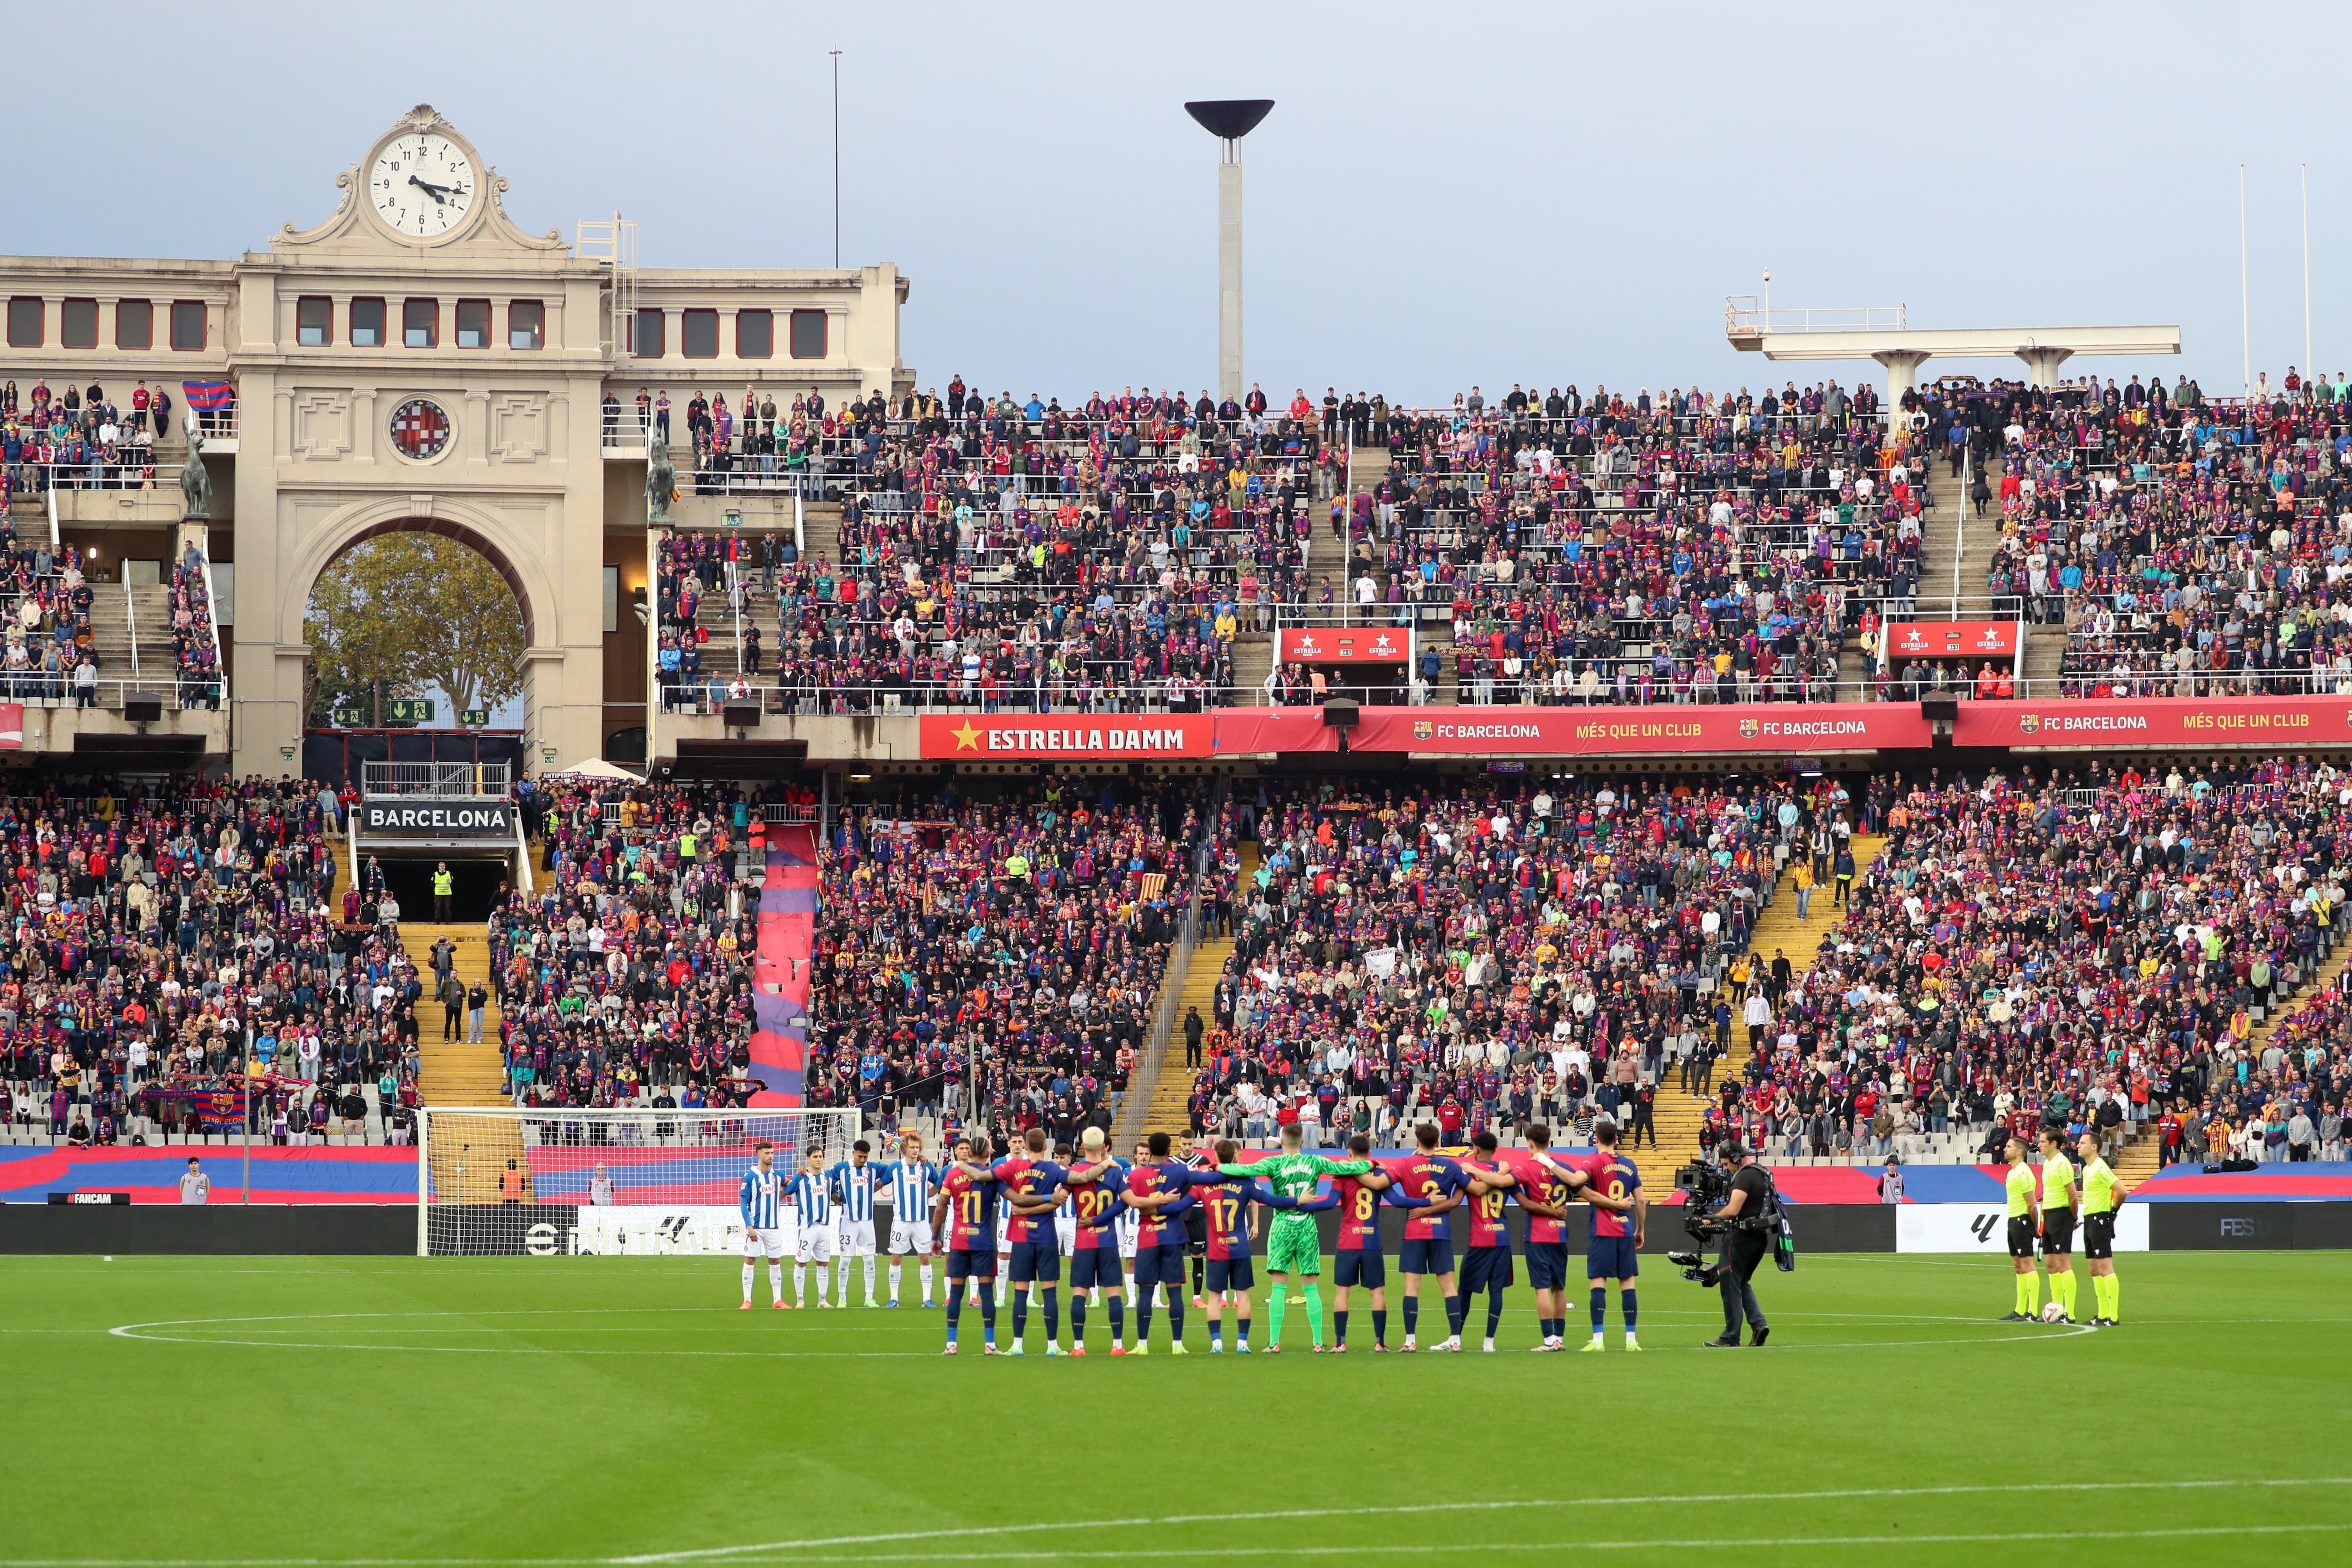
pixel 642 1183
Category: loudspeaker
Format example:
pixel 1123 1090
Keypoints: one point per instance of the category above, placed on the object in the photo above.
pixel 142 707
pixel 1939 709
pixel 741 715
pixel 1341 714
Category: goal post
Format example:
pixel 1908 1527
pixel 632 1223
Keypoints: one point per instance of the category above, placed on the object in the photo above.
pixel 496 1181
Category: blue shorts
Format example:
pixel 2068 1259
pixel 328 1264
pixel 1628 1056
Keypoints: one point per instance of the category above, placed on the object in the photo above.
pixel 1485 1269
pixel 1038 1261
pixel 1548 1265
pixel 1093 1266
pixel 1363 1266
pixel 1230 1273
pixel 1611 1257
pixel 1434 1256
pixel 1161 1265
pixel 968 1265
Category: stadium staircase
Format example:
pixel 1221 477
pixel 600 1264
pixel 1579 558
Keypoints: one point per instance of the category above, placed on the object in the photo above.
pixel 1679 1116
pixel 1168 1098
pixel 111 623
pixel 454 1072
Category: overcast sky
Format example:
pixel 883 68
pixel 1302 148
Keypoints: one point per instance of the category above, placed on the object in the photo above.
pixel 1443 195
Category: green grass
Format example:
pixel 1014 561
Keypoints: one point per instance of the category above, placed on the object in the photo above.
pixel 580 1409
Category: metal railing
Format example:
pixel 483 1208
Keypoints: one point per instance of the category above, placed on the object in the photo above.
pixel 447 780
pixel 42 689
pixel 1132 1114
pixel 212 619
pixel 1749 315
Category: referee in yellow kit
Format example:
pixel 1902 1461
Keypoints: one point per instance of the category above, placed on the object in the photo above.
pixel 2102 1195
pixel 2019 1187
pixel 2061 1201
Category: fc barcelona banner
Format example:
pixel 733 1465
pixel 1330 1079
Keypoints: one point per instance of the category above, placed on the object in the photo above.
pixel 2158 721
pixel 1812 728
pixel 1088 737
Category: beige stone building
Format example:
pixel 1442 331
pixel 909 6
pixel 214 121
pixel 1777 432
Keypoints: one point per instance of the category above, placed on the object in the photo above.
pixel 417 360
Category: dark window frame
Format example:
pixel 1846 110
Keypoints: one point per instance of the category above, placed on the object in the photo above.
pixel 126 310
pixel 203 326
pixel 382 313
pixel 767 347
pixel 432 331
pixel 659 322
pixel 65 323
pixel 824 332
pixel 488 322
pixel 538 329
pixel 690 324
pixel 40 321
pixel 326 330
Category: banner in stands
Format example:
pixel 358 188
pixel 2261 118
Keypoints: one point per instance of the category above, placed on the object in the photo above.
pixel 1348 645
pixel 1089 737
pixel 1768 727
pixel 1984 1228
pixel 2158 721
pixel 439 818
pixel 12 726
pixel 1952 639
pixel 782 967
pixel 1242 730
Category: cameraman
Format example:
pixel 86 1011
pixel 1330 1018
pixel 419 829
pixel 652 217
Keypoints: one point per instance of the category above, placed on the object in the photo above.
pixel 1745 1214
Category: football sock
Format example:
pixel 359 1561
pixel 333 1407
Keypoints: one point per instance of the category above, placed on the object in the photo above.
pixel 1053 1314
pixel 1143 1318
pixel 924 1270
pixel 841 1277
pixel 1379 1327
pixel 1275 1309
pixel 1453 1315
pixel 800 1284
pixel 1625 1301
pixel 1315 1310
pixel 2115 1297
pixel 2017 1294
pixel 1176 1317
pixel 2030 1285
pixel 988 1316
pixel 2070 1292
pixel 1131 1283
pixel 869 1281
pixel 1077 1317
pixel 1198 1263
pixel 1339 1326
pixel 1494 1310
pixel 1599 1308
pixel 775 1280
pixel 1020 1315
pixel 955 1312
pixel 1412 1315
pixel 821 1273
pixel 896 1269
pixel 1117 1313
pixel 751 1272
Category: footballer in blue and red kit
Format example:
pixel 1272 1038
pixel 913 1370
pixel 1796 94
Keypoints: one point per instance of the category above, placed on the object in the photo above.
pixel 1032 1187
pixel 967 1207
pixel 1095 1187
pixel 1486 1260
pixel 1428 1248
pixel 1159 1240
pixel 1544 1193
pixel 1356 1257
pixel 1613 1255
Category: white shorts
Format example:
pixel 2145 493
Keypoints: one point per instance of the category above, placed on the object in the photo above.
pixel 910 1236
pixel 816 1244
pixel 768 1240
pixel 858 1238
pixel 1065 1236
pixel 1126 1246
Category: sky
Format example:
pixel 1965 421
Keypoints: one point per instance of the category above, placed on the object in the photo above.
pixel 1443 196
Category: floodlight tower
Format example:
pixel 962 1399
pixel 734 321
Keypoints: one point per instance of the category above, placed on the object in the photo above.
pixel 1229 119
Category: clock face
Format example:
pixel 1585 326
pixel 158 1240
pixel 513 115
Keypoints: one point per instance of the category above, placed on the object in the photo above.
pixel 422 185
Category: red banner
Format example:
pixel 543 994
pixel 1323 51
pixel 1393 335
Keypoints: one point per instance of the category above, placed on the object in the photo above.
pixel 1082 737
pixel 12 726
pixel 2288 721
pixel 1952 639
pixel 1782 727
pixel 1352 645
pixel 1242 730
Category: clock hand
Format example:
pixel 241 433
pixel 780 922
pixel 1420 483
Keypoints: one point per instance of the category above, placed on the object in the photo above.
pixel 438 192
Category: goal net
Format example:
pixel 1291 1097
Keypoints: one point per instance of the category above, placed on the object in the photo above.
pixel 635 1182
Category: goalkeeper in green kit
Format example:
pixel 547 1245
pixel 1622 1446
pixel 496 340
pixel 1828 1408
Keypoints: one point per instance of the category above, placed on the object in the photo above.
pixel 1292 1245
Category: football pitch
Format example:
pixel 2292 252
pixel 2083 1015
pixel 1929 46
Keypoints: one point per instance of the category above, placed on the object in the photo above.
pixel 252 1411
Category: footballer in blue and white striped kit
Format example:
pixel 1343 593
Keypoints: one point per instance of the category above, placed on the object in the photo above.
pixel 853 1191
pixel 812 1197
pixel 760 1202
pixel 914 1183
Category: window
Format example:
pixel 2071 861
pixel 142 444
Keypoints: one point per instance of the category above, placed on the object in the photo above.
pixel 755 334
pixel 697 334
pixel 367 323
pixel 420 323
pixel 78 324
pixel 808 335
pixel 645 339
pixel 526 324
pixel 473 323
pixel 314 320
pixel 187 325
pixel 134 324
pixel 25 323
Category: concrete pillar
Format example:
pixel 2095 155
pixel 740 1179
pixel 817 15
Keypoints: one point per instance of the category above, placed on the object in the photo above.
pixel 1902 374
pixel 2041 364
pixel 1229 275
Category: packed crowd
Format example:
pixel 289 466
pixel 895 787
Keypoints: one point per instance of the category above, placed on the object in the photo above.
pixel 46 621
pixel 78 439
pixel 196 647
pixel 166 945
pixel 1483 954
pixel 2096 948
pixel 999 955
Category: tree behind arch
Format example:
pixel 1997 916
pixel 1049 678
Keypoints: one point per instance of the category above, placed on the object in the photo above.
pixel 401 613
